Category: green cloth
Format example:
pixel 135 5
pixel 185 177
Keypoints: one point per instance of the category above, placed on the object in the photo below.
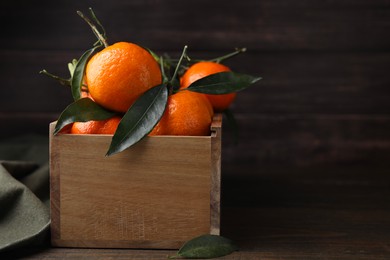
pixel 24 192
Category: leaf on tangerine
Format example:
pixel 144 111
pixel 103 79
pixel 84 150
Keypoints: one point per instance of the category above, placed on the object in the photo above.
pixel 223 83
pixel 78 73
pixel 140 119
pixel 82 110
pixel 207 246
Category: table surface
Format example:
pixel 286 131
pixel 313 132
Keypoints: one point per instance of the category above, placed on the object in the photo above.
pixel 329 213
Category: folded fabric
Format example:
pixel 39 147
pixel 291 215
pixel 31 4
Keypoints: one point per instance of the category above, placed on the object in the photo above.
pixel 24 192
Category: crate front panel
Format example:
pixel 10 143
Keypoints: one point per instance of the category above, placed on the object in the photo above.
pixel 155 193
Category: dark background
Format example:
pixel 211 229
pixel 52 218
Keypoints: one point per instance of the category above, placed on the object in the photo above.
pixel 323 102
pixel 310 174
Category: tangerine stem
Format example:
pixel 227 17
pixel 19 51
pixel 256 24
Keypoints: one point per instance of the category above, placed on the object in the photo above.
pixel 100 37
pixel 64 82
pixel 218 59
pixel 163 74
pixel 183 54
pixel 98 22
pixel 229 55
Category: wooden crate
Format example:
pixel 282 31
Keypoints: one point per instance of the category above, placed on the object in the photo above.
pixel 158 194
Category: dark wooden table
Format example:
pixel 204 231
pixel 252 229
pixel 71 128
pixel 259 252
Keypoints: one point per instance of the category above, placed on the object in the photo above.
pixel 338 212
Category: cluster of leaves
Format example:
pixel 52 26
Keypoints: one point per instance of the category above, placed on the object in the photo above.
pixel 147 110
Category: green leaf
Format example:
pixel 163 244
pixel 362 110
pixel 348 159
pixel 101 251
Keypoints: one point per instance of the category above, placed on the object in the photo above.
pixel 72 66
pixel 222 83
pixel 207 246
pixel 78 73
pixel 82 110
pixel 140 119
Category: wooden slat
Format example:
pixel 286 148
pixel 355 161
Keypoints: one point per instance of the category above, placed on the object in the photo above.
pixel 315 83
pixel 215 182
pixel 306 141
pixel 274 140
pixel 325 83
pixel 55 187
pixel 282 140
pixel 204 25
pixel 18 124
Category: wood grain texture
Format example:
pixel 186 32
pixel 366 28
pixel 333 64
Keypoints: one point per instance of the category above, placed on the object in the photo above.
pixel 313 156
pixel 293 83
pixel 215 190
pixel 162 25
pixel 309 213
pixel 55 186
pixel 297 141
pixel 157 194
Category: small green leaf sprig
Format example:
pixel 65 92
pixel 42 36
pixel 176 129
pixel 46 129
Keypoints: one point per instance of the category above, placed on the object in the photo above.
pixel 148 109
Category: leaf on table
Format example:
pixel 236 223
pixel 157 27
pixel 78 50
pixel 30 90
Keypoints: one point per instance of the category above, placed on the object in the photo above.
pixel 82 110
pixel 206 246
pixel 140 119
pixel 223 83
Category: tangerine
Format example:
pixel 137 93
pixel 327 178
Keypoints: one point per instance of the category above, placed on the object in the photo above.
pixel 187 113
pixel 119 74
pixel 107 126
pixel 203 69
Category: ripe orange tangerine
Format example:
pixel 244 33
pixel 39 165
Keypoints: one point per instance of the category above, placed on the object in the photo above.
pixel 187 113
pixel 119 74
pixel 203 69
pixel 107 126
